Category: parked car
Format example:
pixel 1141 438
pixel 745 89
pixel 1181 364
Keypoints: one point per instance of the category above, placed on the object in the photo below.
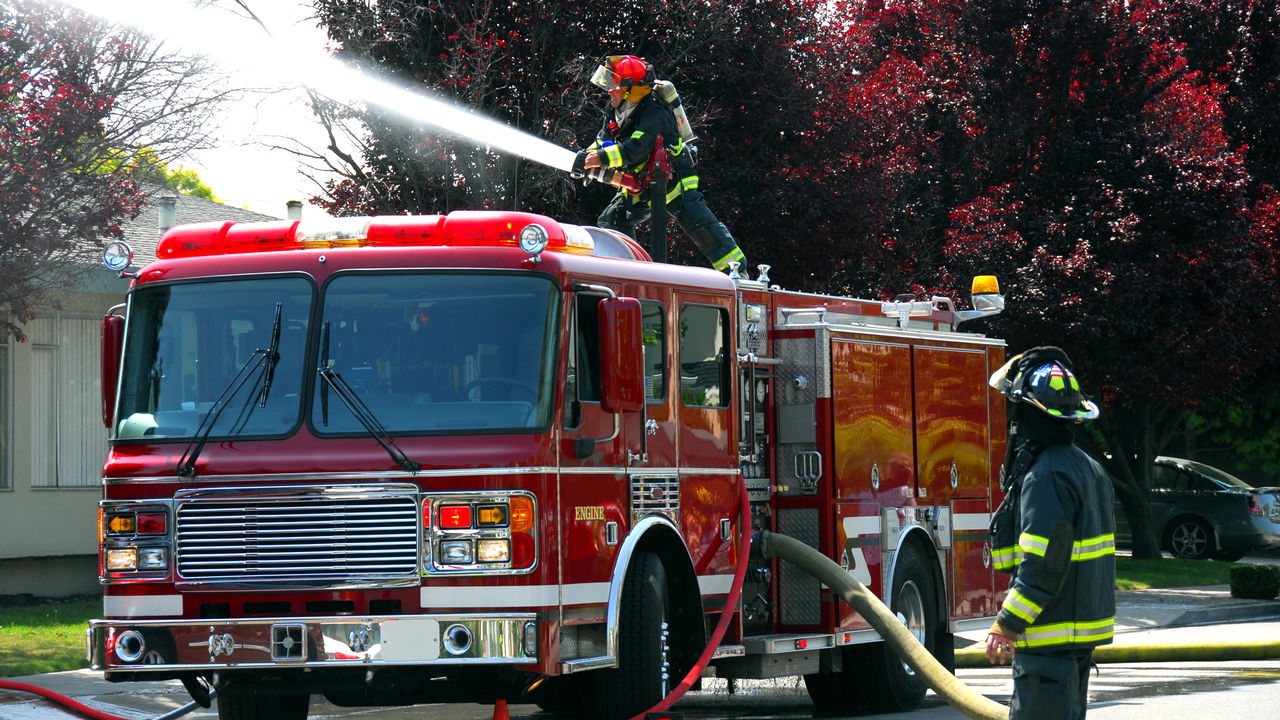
pixel 1202 512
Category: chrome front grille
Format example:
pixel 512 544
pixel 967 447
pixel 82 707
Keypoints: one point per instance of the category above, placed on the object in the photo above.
pixel 309 535
pixel 655 494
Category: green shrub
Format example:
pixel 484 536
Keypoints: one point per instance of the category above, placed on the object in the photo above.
pixel 1256 582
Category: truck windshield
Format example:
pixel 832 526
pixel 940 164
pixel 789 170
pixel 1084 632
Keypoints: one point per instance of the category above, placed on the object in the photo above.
pixel 439 352
pixel 186 343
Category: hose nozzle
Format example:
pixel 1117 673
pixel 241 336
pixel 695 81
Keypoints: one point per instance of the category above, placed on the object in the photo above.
pixel 616 178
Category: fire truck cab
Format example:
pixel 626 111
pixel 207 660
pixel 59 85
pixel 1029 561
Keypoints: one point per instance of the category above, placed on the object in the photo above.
pixel 488 455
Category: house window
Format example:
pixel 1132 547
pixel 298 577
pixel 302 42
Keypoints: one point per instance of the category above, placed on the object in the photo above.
pixel 68 440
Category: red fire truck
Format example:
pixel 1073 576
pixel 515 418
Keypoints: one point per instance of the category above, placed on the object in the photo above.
pixel 488 455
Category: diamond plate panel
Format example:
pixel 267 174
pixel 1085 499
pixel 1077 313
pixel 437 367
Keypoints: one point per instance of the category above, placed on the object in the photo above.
pixel 799 593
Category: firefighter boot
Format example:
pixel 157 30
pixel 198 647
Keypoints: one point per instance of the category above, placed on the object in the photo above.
pixel 719 247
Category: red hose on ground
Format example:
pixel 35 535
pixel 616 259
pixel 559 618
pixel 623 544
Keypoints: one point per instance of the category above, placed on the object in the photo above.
pixel 730 610
pixel 62 700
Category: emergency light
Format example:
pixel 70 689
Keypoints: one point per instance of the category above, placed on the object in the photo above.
pixel 463 228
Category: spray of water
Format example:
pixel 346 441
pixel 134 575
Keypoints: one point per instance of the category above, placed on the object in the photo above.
pixel 283 61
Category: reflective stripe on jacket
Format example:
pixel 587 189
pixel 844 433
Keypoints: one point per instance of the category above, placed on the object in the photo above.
pixel 632 145
pixel 1062 594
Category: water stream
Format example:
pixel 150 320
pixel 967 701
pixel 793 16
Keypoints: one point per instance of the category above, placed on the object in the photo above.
pixel 280 60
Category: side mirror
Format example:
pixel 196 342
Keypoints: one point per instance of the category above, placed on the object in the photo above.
pixel 112 345
pixel 621 355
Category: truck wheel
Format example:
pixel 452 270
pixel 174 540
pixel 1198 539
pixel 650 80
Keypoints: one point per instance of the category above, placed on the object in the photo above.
pixel 835 693
pixel 559 695
pixel 639 681
pixel 262 707
pixel 888 683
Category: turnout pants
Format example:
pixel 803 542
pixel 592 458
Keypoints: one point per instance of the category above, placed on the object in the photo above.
pixel 690 210
pixel 1050 686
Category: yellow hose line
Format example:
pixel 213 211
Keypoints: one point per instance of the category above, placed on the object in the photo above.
pixel 975 657
pixel 949 688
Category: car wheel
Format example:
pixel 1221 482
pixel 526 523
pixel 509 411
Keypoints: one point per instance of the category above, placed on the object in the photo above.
pixel 1191 538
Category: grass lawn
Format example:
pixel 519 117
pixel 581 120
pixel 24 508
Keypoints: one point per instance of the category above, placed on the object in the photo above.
pixel 47 637
pixel 1135 574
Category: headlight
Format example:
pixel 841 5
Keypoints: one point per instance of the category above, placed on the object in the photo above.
pixel 477 533
pixel 493 551
pixel 153 558
pixel 456 552
pixel 122 558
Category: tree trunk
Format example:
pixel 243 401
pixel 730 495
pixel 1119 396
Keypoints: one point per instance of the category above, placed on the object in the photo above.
pixel 1141 530
pixel 1133 436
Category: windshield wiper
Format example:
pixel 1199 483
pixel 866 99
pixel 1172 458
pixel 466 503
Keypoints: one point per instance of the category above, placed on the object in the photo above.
pixel 262 386
pixel 273 358
pixel 330 378
pixel 265 358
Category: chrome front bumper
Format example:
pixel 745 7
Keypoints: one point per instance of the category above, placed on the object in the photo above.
pixel 221 644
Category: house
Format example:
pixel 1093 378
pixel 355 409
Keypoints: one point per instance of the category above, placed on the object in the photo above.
pixel 52 439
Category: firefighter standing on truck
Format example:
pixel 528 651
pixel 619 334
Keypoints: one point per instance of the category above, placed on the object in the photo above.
pixel 1055 532
pixel 626 142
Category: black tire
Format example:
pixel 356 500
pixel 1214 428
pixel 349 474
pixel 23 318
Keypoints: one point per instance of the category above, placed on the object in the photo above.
pixel 833 693
pixel 233 706
pixel 1191 538
pixel 560 695
pixel 883 679
pixel 638 683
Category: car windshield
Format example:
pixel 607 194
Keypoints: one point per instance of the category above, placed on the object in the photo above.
pixel 1216 474
pixel 438 352
pixel 188 344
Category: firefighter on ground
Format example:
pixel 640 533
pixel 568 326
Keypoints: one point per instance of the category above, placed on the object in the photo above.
pixel 637 116
pixel 1056 533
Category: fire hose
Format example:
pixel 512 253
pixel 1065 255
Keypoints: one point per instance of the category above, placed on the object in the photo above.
pixel 85 710
pixel 886 623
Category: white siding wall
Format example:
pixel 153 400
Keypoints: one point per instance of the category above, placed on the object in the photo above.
pixel 52 442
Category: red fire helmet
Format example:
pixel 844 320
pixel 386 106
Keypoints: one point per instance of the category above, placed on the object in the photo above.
pixel 622 71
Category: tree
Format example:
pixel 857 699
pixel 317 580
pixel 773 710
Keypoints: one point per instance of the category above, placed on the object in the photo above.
pixel 188 182
pixel 144 167
pixel 1078 151
pixel 527 63
pixel 79 97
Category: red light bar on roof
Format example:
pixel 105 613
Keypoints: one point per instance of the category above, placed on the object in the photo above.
pixel 461 228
